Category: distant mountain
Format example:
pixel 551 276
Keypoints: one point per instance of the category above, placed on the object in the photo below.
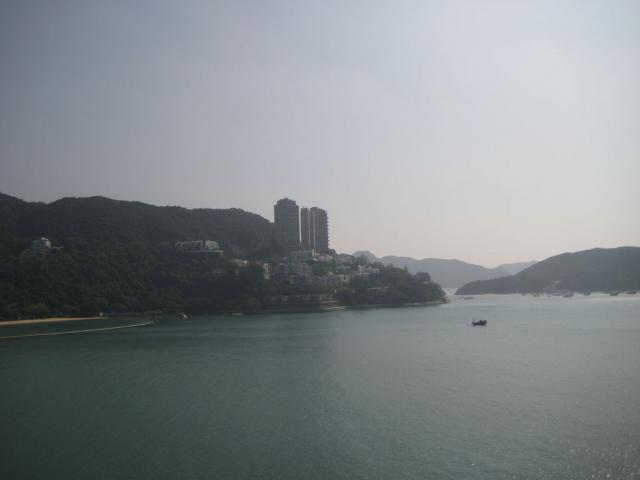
pixel 513 268
pixel 599 269
pixel 448 273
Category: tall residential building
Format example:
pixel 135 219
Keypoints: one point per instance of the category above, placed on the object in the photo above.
pixel 314 225
pixel 305 229
pixel 319 229
pixel 287 223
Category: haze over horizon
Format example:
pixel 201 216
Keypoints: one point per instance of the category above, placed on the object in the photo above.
pixel 493 133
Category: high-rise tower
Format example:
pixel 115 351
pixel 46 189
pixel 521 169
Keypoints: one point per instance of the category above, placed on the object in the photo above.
pixel 287 223
pixel 319 229
pixel 306 238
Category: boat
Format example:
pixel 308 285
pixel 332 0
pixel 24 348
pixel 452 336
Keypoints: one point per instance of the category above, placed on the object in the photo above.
pixel 182 316
pixel 614 294
pixel 479 323
pixel 568 295
pixel 586 294
pixel 632 292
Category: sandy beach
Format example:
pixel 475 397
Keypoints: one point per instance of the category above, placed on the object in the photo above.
pixel 47 320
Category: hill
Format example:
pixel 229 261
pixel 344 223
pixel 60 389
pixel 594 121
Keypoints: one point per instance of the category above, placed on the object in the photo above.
pixel 448 273
pixel 599 269
pixel 115 255
pixel 100 219
pixel 514 268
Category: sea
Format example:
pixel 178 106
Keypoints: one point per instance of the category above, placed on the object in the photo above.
pixel 548 389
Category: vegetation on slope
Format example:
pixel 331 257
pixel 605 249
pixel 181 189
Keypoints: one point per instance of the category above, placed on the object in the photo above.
pixel 71 221
pixel 114 256
pixel 599 269
pixel 118 256
pixel 393 286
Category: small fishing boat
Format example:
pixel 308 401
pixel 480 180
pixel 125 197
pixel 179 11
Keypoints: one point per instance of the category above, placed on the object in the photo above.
pixel 479 323
pixel 182 316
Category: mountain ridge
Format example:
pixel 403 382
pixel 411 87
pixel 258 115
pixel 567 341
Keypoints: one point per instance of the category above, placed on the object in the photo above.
pixel 103 219
pixel 517 267
pixel 596 269
pixel 450 273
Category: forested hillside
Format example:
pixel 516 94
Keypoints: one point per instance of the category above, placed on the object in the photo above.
pixel 599 269
pixel 118 256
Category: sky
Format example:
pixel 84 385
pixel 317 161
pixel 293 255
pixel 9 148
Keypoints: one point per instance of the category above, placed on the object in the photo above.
pixel 489 131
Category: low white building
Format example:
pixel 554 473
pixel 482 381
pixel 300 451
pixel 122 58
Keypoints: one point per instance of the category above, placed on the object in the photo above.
pixel 40 244
pixel 342 269
pixel 267 270
pixel 239 263
pixel 367 271
pixel 198 246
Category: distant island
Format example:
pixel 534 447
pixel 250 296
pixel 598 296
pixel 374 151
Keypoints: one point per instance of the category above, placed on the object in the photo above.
pixel 85 256
pixel 450 273
pixel 598 269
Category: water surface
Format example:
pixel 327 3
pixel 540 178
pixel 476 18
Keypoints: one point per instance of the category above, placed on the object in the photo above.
pixel 549 389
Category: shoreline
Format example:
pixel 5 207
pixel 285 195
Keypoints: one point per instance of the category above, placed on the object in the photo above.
pixel 402 305
pixel 338 307
pixel 290 309
pixel 36 321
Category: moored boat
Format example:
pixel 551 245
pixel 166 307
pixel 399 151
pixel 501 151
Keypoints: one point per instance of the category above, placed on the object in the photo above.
pixel 479 323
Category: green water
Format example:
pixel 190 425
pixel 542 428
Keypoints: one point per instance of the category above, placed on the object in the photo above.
pixel 550 389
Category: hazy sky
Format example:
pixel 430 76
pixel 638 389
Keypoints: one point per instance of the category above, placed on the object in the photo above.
pixel 487 131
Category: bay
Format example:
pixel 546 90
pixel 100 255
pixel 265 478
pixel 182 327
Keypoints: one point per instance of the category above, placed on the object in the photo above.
pixel 548 389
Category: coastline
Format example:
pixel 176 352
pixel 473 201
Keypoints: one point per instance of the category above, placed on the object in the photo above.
pixel 35 321
pixel 401 305
pixel 279 309
pixel 299 309
pixel 337 307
